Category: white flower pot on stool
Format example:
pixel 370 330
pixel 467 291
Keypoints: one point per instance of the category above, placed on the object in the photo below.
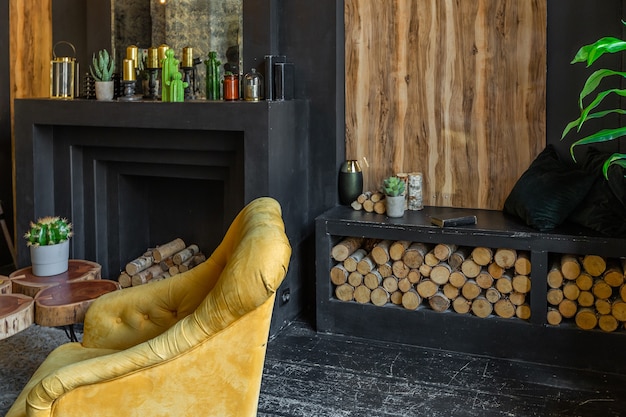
pixel 50 260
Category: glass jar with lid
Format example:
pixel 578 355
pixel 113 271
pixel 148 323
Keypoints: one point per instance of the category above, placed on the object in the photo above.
pixel 253 86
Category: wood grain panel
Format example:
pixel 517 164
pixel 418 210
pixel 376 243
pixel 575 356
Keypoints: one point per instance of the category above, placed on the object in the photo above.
pixel 455 89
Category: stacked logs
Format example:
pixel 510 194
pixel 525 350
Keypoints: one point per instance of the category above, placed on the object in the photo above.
pixel 161 262
pixel 370 201
pixel 589 289
pixel 480 280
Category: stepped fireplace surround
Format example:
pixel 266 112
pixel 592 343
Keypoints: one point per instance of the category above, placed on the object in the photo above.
pixel 134 175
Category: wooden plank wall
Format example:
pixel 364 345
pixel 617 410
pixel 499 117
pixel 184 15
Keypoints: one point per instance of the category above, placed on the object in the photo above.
pixel 454 89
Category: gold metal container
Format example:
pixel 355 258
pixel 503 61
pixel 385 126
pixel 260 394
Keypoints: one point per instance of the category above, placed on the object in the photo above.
pixel 62 70
pixel 187 61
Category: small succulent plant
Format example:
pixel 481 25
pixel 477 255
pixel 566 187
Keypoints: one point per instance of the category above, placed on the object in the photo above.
pixel 48 231
pixel 393 186
pixel 102 66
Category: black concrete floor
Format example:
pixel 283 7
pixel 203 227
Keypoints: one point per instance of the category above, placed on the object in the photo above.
pixel 309 374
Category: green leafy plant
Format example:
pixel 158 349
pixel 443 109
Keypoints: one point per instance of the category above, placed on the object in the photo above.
pixel 102 66
pixel 589 54
pixel 393 186
pixel 48 231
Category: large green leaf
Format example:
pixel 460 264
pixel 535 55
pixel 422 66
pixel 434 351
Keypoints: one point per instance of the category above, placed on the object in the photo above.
pixel 615 159
pixel 596 102
pixel 594 80
pixel 590 53
pixel 604 135
pixel 596 115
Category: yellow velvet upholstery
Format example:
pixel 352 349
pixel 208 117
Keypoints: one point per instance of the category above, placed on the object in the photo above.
pixel 190 345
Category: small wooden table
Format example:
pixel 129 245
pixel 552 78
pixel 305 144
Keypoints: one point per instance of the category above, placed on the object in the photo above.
pixel 16 313
pixel 5 285
pixel 24 282
pixel 66 304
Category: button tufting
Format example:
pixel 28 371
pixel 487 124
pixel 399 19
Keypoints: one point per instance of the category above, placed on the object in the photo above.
pixel 147 317
pixel 118 320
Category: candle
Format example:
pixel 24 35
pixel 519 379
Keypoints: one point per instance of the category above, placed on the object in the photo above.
pixel 132 53
pixel 161 50
pixel 153 58
pixel 187 57
pixel 129 70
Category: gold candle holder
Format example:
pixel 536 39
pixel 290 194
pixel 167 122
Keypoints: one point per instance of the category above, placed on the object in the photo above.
pixel 161 53
pixel 129 70
pixel 132 52
pixel 153 58
pixel 187 57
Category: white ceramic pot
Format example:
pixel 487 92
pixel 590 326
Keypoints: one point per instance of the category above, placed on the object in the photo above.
pixel 395 206
pixel 104 90
pixel 50 259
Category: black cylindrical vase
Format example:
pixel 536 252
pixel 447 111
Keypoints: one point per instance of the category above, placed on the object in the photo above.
pixel 350 182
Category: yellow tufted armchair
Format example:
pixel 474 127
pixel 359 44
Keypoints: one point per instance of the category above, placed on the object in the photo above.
pixel 190 345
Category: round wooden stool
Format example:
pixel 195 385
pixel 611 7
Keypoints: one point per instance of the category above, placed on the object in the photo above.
pixel 5 285
pixel 16 314
pixel 24 282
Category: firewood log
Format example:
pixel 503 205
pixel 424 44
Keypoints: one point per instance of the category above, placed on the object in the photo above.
pixel 345 248
pixel 603 306
pixel 522 264
pixel 185 254
pixel 470 290
pixel 586 319
pixel 168 249
pixel 601 289
pixel 517 298
pixel 125 280
pixel 440 274
pixel 344 292
pixel 521 283
pixel 461 305
pixel 570 267
pixel 439 302
pixel 607 323
pixel 505 284
pixel 493 295
pixel 495 270
pixel 622 292
pixel 482 256
pixel 443 251
pixel 426 288
pixel 568 308
pixel 584 281
pixel 414 276
pixel 400 269
pixel 380 207
pixel 380 252
pixel 174 270
pixel 368 206
pixel 484 279
pixel 138 265
pixel 470 268
pixel 555 296
pixel 504 308
pixel 362 294
pixel 523 312
pixel 390 284
pixel 451 291
pixel 377 196
pixel 338 274
pixel 458 257
pixel 430 259
pixel 414 255
pixel 351 261
pixel 356 205
pixel 355 279
pixel 396 298
pixel 404 284
pixel 365 265
pixel 554 317
pixel 481 307
pixel 397 249
pixel 425 270
pixel 411 300
pixel 379 296
pixel 613 275
pixel 372 279
pixel 505 257
pixel 167 263
pixel 457 278
pixel 586 299
pixel 385 270
pixel 363 197
pixel 555 277
pixel 618 310
pixel 571 291
pixel 594 265
pixel 146 275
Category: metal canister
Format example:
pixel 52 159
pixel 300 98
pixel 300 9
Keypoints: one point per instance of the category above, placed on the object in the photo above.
pixel 62 70
pixel 253 86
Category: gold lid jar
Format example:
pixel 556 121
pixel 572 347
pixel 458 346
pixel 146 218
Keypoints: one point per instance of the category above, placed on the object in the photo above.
pixel 253 86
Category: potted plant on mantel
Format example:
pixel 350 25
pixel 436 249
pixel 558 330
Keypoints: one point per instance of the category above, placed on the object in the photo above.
pixel 101 69
pixel 589 54
pixel 49 242
pixel 394 196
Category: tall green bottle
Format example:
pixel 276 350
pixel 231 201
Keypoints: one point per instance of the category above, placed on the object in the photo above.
pixel 213 77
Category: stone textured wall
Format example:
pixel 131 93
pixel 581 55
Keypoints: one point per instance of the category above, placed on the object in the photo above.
pixel 204 25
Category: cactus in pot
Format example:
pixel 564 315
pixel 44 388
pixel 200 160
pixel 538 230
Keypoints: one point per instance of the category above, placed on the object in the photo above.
pixel 101 69
pixel 48 240
pixel 393 186
pixel 48 231
pixel 395 200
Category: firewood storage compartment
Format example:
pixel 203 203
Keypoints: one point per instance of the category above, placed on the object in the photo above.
pixel 523 327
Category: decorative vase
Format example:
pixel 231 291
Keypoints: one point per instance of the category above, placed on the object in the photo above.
pixel 104 90
pixel 50 260
pixel 395 206
pixel 350 182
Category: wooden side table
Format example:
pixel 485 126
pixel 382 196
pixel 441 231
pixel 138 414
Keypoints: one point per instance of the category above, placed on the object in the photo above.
pixel 5 285
pixel 16 313
pixel 24 282
pixel 66 304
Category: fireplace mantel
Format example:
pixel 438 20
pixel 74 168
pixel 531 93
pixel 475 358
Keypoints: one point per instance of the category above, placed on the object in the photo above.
pixel 127 173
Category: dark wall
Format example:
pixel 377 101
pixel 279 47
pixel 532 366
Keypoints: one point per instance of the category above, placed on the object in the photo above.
pixel 6 193
pixel 572 24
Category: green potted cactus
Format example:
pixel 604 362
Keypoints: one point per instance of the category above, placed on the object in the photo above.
pixel 102 68
pixel 394 187
pixel 48 240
